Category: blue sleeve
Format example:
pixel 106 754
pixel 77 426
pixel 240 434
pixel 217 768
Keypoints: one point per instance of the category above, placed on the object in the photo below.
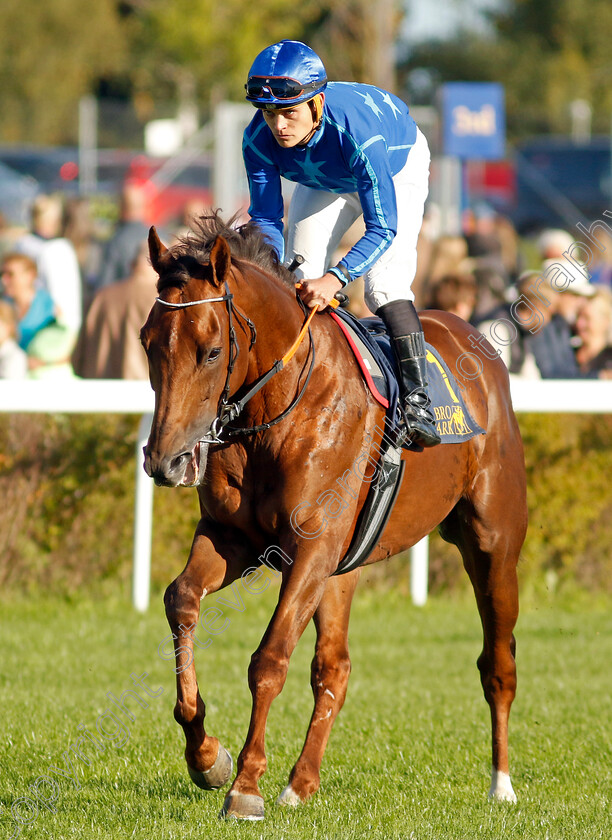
pixel 267 206
pixel 377 196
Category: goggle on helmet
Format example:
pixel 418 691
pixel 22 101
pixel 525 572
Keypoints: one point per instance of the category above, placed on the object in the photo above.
pixel 285 74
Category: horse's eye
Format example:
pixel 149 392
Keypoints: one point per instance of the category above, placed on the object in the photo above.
pixel 214 354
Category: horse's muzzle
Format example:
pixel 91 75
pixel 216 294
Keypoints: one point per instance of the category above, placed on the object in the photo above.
pixel 184 469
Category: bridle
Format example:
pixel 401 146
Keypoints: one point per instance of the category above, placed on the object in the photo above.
pixel 228 411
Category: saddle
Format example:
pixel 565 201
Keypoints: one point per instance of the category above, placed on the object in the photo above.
pixel 371 346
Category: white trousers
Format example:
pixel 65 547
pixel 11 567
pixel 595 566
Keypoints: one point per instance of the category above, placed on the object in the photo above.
pixel 318 220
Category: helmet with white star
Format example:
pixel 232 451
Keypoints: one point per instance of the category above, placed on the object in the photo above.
pixel 285 74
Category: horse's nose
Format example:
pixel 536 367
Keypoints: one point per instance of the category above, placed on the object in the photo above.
pixel 164 470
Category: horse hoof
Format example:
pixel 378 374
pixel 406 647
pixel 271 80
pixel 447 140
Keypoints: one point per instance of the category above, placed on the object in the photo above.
pixel 242 806
pixel 501 788
pixel 289 797
pixel 218 775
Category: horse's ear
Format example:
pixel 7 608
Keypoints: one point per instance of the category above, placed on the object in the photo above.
pixel 220 260
pixel 156 249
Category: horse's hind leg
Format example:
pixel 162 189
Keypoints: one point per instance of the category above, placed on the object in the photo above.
pixel 489 530
pixel 330 672
pixel 208 762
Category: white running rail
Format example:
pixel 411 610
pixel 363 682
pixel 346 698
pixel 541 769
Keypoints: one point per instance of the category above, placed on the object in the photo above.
pixel 106 396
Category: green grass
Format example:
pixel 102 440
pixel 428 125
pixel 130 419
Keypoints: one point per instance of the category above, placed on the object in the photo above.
pixel 408 757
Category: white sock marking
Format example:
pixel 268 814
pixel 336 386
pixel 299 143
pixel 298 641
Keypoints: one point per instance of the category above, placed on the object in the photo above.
pixel 501 787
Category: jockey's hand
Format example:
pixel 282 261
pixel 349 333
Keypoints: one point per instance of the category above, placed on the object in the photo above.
pixel 320 291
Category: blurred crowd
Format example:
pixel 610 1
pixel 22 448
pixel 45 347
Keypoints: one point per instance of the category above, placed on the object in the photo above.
pixel 544 304
pixel 72 304
pixel 71 301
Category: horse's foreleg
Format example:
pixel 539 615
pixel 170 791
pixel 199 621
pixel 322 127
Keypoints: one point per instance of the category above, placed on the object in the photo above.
pixel 209 764
pixel 330 672
pixel 301 591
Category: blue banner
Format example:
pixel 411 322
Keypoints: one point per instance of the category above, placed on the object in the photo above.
pixel 474 120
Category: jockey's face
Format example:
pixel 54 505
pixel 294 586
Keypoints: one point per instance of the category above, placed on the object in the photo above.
pixel 290 126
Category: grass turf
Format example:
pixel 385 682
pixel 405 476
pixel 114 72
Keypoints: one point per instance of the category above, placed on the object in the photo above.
pixel 408 756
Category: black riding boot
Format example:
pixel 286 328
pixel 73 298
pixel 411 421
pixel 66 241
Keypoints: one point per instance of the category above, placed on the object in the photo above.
pixel 402 322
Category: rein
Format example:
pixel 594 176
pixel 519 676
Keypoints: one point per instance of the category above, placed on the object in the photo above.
pixel 226 411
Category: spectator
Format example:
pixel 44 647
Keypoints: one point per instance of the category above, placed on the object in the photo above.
pixel 448 256
pixel 122 249
pixel 455 293
pixel 552 244
pixel 109 345
pixel 429 233
pixel 49 353
pixel 80 231
pixel 532 340
pixel 9 234
pixel 13 360
pixel 58 268
pixel 449 253
pixel 511 258
pixel 492 291
pixel 192 211
pixel 34 308
pixel 601 267
pixel 593 327
pixel 481 233
pixel 571 300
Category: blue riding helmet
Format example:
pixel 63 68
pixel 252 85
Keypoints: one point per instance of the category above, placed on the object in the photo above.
pixel 285 74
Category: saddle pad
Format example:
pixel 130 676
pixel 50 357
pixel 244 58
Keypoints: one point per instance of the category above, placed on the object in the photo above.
pixel 372 349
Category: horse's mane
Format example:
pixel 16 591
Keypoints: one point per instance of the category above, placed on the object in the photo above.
pixel 246 242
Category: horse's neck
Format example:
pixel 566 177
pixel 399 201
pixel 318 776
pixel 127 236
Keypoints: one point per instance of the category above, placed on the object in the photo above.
pixel 278 320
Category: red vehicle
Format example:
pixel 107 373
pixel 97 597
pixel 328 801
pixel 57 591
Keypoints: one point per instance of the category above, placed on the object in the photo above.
pixel 173 185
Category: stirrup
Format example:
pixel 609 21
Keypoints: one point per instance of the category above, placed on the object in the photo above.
pixel 418 419
pixel 420 402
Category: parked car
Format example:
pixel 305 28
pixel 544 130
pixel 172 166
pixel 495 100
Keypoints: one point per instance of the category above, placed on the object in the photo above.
pixel 53 168
pixel 171 184
pixel 17 192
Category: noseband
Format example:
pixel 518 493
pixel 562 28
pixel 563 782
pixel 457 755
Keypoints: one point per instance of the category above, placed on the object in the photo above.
pixel 229 411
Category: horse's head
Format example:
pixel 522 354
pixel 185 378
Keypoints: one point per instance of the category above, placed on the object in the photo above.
pixel 187 342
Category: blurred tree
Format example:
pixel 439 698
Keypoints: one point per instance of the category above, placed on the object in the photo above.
pixel 568 45
pixel 208 46
pixel 182 52
pixel 356 39
pixel 547 53
pixel 52 53
pixel 213 44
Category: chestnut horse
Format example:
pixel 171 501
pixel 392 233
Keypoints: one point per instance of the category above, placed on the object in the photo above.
pixel 226 313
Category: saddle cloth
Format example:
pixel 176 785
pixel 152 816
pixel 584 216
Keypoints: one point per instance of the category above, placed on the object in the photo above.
pixel 372 349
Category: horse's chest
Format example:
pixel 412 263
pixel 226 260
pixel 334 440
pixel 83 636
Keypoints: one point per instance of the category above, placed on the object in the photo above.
pixel 248 501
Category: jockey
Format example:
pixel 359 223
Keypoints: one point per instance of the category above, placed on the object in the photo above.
pixel 353 150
